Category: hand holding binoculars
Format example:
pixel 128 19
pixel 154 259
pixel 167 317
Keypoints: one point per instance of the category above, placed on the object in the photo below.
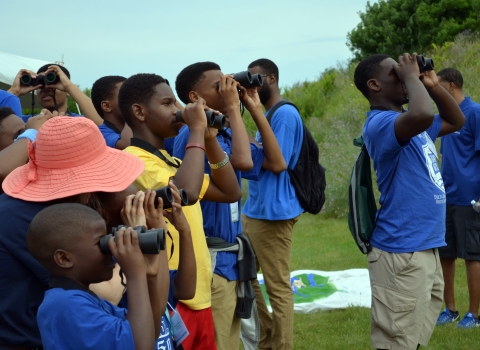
pixel 150 241
pixel 425 64
pixel 167 196
pixel 47 79
pixel 247 80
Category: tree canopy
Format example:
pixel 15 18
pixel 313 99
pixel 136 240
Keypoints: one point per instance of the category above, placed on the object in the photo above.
pixel 395 26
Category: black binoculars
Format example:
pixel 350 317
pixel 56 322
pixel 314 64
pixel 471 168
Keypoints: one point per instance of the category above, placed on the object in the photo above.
pixel 150 241
pixel 47 79
pixel 216 121
pixel 247 80
pixel 167 196
pixel 425 64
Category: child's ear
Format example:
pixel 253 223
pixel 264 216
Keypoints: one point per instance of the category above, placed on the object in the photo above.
pixel 105 106
pixel 373 85
pixel 138 112
pixel 193 96
pixel 63 258
pixel 451 86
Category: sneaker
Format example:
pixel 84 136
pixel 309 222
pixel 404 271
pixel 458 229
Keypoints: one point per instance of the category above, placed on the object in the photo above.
pixel 447 316
pixel 469 321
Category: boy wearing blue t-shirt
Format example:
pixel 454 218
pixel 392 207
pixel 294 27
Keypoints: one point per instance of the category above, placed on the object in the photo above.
pixel 222 220
pixel 461 174
pixel 65 239
pixel 404 265
pixel 115 131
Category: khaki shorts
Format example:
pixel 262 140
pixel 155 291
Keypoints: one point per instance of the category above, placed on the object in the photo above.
pixel 407 296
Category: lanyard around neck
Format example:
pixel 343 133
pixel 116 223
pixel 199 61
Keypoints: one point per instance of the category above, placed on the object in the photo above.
pixel 153 150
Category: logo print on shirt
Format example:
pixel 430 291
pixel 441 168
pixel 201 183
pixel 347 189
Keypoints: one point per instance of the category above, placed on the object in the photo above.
pixel 430 153
pixel 164 341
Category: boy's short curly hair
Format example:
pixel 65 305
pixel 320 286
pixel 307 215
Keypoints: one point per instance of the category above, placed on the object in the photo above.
pixel 5 112
pixel 103 89
pixel 268 66
pixel 139 88
pixel 190 76
pixel 366 70
pixel 57 227
pixel 451 75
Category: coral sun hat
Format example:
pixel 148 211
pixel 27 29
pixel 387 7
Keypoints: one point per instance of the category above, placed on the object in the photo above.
pixel 70 157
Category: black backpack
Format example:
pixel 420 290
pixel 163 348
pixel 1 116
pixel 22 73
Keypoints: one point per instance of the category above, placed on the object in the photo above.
pixel 308 176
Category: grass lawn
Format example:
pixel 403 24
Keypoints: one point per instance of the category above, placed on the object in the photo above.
pixel 326 244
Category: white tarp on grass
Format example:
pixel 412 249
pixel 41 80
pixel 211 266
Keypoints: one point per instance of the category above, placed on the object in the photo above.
pixel 313 291
pixel 327 290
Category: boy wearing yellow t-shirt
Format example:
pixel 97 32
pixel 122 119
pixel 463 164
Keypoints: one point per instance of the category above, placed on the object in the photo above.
pixel 148 105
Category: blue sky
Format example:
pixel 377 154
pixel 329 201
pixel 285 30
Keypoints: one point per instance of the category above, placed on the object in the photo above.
pixel 98 38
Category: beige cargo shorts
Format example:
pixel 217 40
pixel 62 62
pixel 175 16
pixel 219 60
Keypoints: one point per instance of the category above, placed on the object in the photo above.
pixel 407 296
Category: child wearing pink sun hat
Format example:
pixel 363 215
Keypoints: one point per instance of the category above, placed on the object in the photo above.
pixel 70 157
pixel 68 161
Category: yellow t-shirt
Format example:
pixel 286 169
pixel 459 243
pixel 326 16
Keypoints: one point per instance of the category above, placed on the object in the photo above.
pixel 157 174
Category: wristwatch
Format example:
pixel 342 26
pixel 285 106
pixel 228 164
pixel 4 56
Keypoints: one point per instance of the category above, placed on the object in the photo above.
pixel 220 164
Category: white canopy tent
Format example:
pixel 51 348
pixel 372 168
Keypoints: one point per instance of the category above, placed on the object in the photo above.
pixel 10 65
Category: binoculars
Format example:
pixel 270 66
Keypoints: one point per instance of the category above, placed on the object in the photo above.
pixel 425 64
pixel 47 79
pixel 247 80
pixel 167 196
pixel 150 241
pixel 216 121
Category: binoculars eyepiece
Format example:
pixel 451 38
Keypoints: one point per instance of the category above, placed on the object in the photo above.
pixel 167 196
pixel 216 121
pixel 425 64
pixel 247 80
pixel 150 241
pixel 47 79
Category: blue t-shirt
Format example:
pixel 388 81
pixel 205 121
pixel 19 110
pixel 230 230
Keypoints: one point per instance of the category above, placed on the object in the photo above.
pixel 76 319
pixel 9 100
pixel 23 280
pixel 110 133
pixel 461 158
pixel 222 219
pixel 273 197
pixel 413 214
pixel 168 144
pixel 164 341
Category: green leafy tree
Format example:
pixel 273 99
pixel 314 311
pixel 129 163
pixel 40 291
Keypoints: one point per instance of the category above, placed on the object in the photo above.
pixel 396 26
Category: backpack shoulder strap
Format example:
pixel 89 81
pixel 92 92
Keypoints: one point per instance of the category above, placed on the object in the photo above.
pixel 272 110
pixel 358 141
